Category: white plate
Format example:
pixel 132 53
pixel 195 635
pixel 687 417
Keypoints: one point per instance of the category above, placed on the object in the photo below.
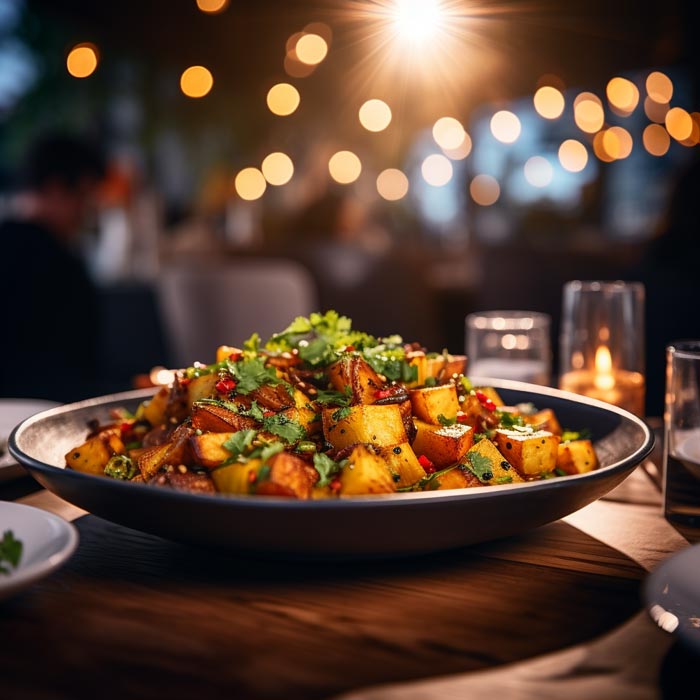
pixel 672 596
pixel 47 543
pixel 13 412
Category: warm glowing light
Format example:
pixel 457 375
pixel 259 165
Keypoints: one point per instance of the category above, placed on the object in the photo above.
pixel 196 82
pixel 436 170
pixel 82 60
pixel 294 68
pixel 656 111
pixel 679 123
pixel 659 87
pixel 311 49
pixel 345 167
pixel 417 20
pixel 573 156
pixel 320 28
pixel 599 148
pixel 392 184
pixel 505 126
pixel 549 102
pixel 538 171
pixel 278 168
pixel 485 190
pixel 588 112
pixel 603 379
pixel 283 99
pixel 694 137
pixel 656 140
pixel 250 184
pixel 161 376
pixel 617 142
pixel 375 115
pixel 448 133
pixel 462 151
pixel 623 95
pixel 212 7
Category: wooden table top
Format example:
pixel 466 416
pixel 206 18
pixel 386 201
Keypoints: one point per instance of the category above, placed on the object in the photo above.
pixel 554 611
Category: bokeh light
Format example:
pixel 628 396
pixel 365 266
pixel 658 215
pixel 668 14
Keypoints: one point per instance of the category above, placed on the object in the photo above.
pixel 599 148
pixel 656 139
pixel 623 95
pixel 283 99
pixel 345 167
pixel 549 102
pixel 656 111
pixel 196 81
pixel 375 115
pixel 436 170
pixel 617 142
pixel 505 126
pixel 212 7
pixel 588 112
pixel 679 123
pixel 392 184
pixel 485 190
pixel 278 168
pixel 461 151
pixel 448 133
pixel 311 49
pixel 659 87
pixel 573 155
pixel 538 171
pixel 250 184
pixel 82 60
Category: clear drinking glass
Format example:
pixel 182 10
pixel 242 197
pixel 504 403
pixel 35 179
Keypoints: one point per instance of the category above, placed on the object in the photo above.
pixel 682 437
pixel 509 345
pixel 602 342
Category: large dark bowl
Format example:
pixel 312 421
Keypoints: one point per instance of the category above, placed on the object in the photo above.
pixel 360 526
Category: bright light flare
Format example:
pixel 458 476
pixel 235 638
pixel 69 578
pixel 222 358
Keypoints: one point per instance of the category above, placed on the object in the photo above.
pixel 392 184
pixel 436 170
pixel 418 20
pixel 345 167
pixel 82 60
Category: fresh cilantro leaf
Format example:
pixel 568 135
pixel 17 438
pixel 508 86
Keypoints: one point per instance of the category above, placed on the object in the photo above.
pixel 560 472
pixel 570 435
pixel 239 442
pixel 254 411
pixel 341 413
pixel 509 420
pixel 507 479
pixel 285 428
pixel 251 374
pixel 315 351
pixel 219 402
pixel 330 396
pixel 251 346
pixel 270 450
pixel 480 465
pixel 10 552
pixel 327 468
pixel 443 420
pixel 431 381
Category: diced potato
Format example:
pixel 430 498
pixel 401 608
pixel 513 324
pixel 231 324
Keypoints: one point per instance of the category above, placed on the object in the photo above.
pixel 442 444
pixel 201 388
pixel 305 417
pixel 154 409
pixel 237 478
pixel 301 400
pixel 429 403
pixel 288 475
pixel 459 477
pixel 273 398
pixel 402 460
pixel 209 417
pixel 576 457
pixel 532 454
pixel 354 372
pixel 445 366
pixel 92 456
pixel 372 424
pixel 472 409
pixel 175 452
pixel 209 450
pixel 365 473
pixel 544 420
pixel 501 470
pixel 418 359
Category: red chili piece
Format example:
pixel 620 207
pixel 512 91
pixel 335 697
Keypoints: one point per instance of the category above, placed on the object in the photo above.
pixel 185 381
pixel 489 405
pixel 481 396
pixel 224 386
pixel 382 394
pixel 462 418
pixel 267 414
pixel 335 485
pixel 252 477
pixel 125 428
pixel 235 356
pixel 349 348
pixel 426 464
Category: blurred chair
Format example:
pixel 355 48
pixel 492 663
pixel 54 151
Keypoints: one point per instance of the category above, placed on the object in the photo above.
pixel 205 305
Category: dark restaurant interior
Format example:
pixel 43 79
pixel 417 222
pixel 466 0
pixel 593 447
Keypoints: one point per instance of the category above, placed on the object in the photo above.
pixel 205 174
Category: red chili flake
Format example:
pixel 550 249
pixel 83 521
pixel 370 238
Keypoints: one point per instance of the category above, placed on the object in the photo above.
pixel 426 464
pixel 267 414
pixel 235 356
pixel 125 428
pixel 489 405
pixel 252 477
pixel 224 386
pixel 382 393
pixel 349 348
pixel 481 396
pixel 185 381
pixel 462 417
pixel 335 485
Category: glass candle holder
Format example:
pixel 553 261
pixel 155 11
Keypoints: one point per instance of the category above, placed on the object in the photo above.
pixel 602 342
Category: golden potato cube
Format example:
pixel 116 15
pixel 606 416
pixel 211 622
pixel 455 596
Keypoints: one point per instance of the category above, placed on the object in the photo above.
pixel 431 402
pixel 544 420
pixel 305 417
pixel 373 424
pixel 236 478
pixel 353 371
pixel 484 459
pixel 175 452
pixel 92 456
pixel 418 359
pixel 209 450
pixel 287 475
pixel 154 409
pixel 201 388
pixel 444 366
pixel 532 454
pixel 364 473
pixel 576 457
pixel 402 460
pixel 459 477
pixel 442 444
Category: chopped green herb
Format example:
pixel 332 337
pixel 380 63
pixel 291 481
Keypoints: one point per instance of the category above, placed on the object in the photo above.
pixel 507 479
pixel 509 420
pixel 560 472
pixel 481 466
pixel 239 443
pixel 251 374
pixel 431 381
pixel 571 435
pixel 10 552
pixel 330 396
pixel 327 468
pixel 285 428
pixel 446 421
pixel 341 413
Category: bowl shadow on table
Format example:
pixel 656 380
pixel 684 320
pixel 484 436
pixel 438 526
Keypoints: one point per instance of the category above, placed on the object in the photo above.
pixel 326 628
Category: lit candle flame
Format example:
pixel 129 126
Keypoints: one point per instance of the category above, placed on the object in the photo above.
pixel 604 378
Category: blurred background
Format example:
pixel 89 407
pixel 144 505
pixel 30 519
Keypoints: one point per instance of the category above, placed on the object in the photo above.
pixel 403 162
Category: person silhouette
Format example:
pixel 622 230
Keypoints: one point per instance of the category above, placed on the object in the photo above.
pixel 48 302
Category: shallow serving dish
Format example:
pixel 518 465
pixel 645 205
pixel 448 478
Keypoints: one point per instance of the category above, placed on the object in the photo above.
pixel 358 526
